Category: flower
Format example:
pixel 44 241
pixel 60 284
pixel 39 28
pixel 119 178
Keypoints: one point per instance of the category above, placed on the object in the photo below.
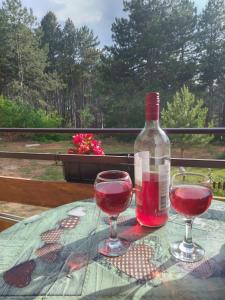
pixel 84 143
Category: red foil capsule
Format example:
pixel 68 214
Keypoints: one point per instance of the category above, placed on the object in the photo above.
pixel 152 106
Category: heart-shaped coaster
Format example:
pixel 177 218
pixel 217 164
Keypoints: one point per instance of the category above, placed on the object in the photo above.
pixel 76 261
pixel 20 275
pixel 51 236
pixel 49 252
pixel 202 269
pixel 136 262
pixel 69 222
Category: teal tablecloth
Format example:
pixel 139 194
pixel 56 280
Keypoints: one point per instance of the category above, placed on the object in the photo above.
pixel 74 270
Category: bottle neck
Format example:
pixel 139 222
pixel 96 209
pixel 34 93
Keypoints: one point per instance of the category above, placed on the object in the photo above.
pixel 154 124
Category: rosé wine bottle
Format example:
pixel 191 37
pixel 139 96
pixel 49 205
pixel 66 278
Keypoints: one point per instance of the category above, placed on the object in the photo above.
pixel 152 168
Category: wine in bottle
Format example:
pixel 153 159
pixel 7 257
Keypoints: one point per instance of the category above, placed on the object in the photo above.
pixel 152 168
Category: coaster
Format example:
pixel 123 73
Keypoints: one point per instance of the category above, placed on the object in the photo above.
pixel 49 252
pixel 49 257
pixel 51 236
pixel 201 269
pixel 20 275
pixel 76 261
pixel 69 222
pixel 136 262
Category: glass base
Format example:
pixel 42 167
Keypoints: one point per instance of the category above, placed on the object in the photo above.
pixel 113 247
pixel 187 252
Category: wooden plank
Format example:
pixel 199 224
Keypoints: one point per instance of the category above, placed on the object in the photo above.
pixel 10 217
pixel 4 224
pixel 7 220
pixel 111 159
pixel 42 193
pixel 219 198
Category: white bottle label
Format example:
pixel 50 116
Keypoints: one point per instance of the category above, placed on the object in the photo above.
pixel 142 165
pixel 164 181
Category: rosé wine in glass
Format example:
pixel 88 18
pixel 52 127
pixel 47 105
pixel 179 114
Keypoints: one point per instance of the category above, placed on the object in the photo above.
pixel 113 192
pixel 113 197
pixel 190 200
pixel 190 196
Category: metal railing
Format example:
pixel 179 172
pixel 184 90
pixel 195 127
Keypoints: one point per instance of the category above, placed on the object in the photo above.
pixel 117 158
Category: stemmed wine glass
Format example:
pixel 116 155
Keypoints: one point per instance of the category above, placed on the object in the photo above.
pixel 190 196
pixel 113 191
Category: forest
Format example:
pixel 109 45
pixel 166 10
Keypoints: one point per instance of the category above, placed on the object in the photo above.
pixel 62 72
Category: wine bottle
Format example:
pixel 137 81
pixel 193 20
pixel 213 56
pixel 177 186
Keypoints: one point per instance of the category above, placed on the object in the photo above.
pixel 152 168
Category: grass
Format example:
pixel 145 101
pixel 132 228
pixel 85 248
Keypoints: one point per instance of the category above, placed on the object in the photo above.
pixel 53 172
pixel 214 172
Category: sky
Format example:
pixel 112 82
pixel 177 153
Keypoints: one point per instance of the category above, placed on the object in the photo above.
pixel 98 15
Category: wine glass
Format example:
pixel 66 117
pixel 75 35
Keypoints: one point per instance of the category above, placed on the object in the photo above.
pixel 190 196
pixel 113 192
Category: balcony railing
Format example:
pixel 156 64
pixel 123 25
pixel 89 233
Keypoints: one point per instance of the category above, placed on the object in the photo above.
pixel 117 158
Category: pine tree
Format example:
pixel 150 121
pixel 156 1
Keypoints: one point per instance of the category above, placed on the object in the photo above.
pixel 51 39
pixel 152 49
pixel 25 59
pixel 185 111
pixel 211 49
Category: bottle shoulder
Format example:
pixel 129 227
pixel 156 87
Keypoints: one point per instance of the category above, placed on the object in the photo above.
pixel 151 138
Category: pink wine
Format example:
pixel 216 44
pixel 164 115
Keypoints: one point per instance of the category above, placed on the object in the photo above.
pixel 148 212
pixel 190 200
pixel 113 197
pixel 152 168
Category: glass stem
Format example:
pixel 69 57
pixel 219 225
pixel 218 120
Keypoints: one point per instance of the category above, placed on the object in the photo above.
pixel 188 233
pixel 113 227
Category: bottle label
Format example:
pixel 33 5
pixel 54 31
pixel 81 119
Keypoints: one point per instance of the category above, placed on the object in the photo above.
pixel 157 171
pixel 164 181
pixel 142 165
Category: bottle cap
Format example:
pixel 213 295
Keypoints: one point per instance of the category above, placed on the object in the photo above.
pixel 152 106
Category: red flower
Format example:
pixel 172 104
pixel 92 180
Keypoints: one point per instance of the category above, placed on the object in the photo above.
pixel 88 136
pixel 98 151
pixel 71 151
pixel 86 144
pixel 77 139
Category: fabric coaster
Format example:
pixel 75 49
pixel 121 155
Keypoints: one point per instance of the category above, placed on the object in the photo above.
pixel 51 236
pixel 69 222
pixel 49 257
pixel 136 262
pixel 20 275
pixel 201 269
pixel 49 252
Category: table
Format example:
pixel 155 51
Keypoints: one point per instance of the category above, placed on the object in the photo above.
pixel 52 257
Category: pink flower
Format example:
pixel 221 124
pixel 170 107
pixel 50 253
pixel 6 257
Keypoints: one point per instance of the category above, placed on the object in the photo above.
pixel 94 143
pixel 86 144
pixel 77 139
pixel 71 151
pixel 98 151
pixel 88 136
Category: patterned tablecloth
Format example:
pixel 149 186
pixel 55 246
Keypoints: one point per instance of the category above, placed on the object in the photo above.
pixel 54 256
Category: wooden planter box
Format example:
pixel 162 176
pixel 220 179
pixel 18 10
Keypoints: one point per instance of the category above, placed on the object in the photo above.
pixel 84 168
